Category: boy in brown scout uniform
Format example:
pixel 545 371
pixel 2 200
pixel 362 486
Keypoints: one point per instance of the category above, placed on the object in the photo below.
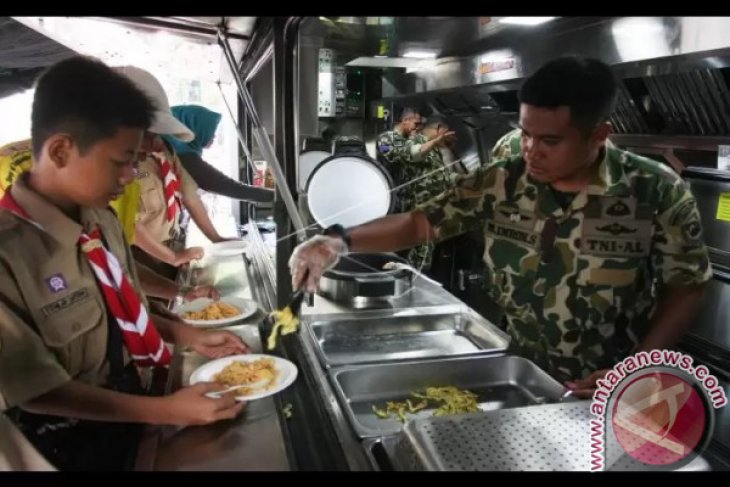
pixel 74 328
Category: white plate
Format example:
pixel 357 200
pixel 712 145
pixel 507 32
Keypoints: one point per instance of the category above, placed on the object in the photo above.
pixel 287 373
pixel 226 249
pixel 247 307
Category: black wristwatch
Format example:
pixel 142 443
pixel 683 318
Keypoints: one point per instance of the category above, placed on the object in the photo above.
pixel 338 230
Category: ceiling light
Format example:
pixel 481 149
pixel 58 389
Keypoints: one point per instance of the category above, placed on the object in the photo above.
pixel 420 54
pixel 525 20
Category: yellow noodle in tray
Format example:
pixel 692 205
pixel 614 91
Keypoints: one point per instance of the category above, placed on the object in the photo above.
pixel 449 399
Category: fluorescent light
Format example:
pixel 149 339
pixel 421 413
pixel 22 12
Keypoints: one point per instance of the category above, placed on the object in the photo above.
pixel 391 62
pixel 525 20
pixel 420 54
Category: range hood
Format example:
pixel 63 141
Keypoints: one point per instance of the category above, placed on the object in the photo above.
pixel 674 72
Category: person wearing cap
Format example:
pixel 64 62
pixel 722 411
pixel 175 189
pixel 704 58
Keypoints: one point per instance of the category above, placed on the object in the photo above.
pixel 165 186
pixel 16 158
pixel 74 330
pixel 204 123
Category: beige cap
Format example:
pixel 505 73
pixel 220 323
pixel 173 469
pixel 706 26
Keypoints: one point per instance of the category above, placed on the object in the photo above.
pixel 164 122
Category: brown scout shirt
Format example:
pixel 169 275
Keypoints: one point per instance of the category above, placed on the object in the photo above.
pixel 53 317
pixel 152 212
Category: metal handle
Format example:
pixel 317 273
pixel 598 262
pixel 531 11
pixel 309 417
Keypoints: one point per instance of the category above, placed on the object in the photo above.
pixel 262 138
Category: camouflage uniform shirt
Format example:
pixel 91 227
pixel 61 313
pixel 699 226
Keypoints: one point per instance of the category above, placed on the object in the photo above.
pixel 395 150
pixel 429 177
pixel 578 286
pixel 510 144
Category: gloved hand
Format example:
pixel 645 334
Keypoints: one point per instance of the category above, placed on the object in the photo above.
pixel 312 258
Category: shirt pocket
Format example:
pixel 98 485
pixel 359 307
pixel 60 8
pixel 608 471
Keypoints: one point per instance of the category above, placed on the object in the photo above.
pixel 74 334
pixel 606 289
pixel 152 195
pixel 511 254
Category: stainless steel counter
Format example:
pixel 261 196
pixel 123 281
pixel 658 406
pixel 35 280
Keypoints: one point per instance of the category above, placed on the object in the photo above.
pixel 254 440
pixel 424 295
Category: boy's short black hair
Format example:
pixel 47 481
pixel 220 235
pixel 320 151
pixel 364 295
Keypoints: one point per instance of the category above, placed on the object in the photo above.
pixel 586 86
pixel 88 100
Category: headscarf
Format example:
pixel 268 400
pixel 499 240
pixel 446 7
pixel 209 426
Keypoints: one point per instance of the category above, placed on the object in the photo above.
pixel 201 121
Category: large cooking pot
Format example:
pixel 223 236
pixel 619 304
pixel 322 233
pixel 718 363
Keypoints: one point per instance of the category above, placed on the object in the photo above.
pixel 349 190
pixel 359 279
pixel 314 151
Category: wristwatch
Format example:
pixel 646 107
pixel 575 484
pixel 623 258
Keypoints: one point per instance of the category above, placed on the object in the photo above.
pixel 338 230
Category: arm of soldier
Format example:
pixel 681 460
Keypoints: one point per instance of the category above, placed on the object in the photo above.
pixel 676 309
pixel 682 267
pixel 449 214
pixel 456 211
pixel 418 151
pixel 391 233
pixel 452 213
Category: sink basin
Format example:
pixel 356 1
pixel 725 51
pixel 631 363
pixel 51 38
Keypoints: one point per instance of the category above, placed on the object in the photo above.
pixel 368 339
pixel 503 381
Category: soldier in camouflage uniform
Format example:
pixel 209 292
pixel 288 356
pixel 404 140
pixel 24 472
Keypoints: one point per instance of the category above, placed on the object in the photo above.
pixel 428 176
pixel 393 147
pixel 593 252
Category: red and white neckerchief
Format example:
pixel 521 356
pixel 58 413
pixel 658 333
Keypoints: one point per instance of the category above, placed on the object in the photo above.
pixel 172 188
pixel 140 335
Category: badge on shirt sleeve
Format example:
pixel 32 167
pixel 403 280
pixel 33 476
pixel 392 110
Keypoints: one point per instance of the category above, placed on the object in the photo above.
pixel 384 148
pixel 56 283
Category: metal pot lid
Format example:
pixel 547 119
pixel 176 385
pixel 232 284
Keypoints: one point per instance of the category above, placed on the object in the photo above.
pixel 308 160
pixel 348 190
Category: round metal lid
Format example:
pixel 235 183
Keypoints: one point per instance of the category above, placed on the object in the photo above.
pixel 348 190
pixel 308 160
